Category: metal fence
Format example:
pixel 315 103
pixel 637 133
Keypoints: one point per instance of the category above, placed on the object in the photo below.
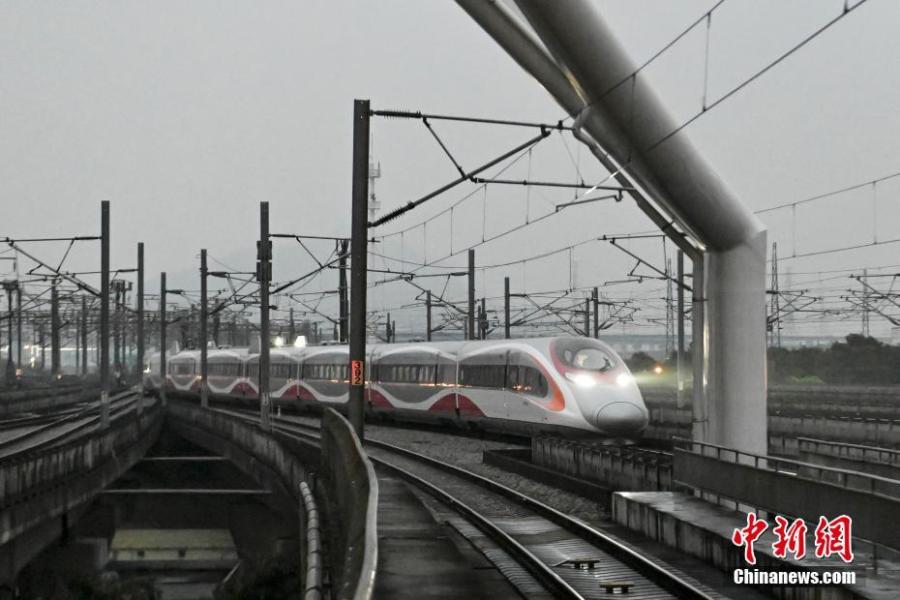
pixel 791 487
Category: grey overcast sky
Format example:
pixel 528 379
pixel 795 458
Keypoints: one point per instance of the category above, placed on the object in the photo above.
pixel 186 114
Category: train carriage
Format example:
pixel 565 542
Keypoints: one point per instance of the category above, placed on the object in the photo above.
pixel 183 372
pixel 560 384
pixel 226 372
pixel 284 372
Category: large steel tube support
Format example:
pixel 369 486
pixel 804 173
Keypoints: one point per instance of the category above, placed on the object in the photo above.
pixel 735 396
pixel 577 59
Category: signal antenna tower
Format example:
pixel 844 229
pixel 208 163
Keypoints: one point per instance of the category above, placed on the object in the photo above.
pixel 374 173
pixel 775 302
pixel 865 314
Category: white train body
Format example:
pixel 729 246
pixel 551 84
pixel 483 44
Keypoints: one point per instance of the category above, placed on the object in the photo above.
pixel 564 383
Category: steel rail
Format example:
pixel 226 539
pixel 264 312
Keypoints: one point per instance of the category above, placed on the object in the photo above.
pixel 124 399
pixel 643 566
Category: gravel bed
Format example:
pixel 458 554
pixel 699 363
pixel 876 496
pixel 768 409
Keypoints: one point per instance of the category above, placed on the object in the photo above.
pixel 466 451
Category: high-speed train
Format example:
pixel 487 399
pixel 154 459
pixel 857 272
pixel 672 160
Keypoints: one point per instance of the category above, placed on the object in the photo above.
pixel 561 384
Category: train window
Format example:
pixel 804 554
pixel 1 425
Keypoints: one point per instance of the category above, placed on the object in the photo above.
pixel 325 372
pixel 281 370
pixel 253 370
pixel 579 354
pixel 446 374
pixel 224 369
pixel 527 380
pixel 487 376
pixel 181 368
pixel 421 374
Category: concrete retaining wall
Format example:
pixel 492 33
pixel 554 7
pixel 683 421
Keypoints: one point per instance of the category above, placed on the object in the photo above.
pixel 40 487
pixel 614 467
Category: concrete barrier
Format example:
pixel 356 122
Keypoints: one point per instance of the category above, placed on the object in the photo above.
pixel 284 462
pixel 352 488
pixel 311 544
pixel 791 488
pixel 615 467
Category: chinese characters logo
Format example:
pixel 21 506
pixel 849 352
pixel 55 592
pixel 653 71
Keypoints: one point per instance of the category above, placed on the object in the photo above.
pixel 830 537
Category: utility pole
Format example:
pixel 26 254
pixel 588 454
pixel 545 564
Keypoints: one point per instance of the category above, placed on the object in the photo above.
pixel 104 315
pixel 679 355
pixel 263 275
pixel 595 300
pixel 359 228
pixel 387 328
pixel 506 307
pixel 428 316
pixel 204 392
pixel 162 338
pixel 140 311
pixel 471 330
pixel 54 329
pixel 343 306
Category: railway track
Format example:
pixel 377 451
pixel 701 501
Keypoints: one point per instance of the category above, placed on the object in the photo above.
pixel 542 551
pixel 38 430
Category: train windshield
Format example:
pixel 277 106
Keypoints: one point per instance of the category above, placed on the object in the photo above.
pixel 578 354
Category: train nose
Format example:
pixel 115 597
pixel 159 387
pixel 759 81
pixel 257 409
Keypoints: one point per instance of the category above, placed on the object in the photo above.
pixel 621 418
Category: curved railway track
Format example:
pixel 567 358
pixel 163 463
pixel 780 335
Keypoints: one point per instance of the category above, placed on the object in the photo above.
pixel 542 551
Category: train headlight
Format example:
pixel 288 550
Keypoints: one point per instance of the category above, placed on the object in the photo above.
pixel 624 379
pixel 582 380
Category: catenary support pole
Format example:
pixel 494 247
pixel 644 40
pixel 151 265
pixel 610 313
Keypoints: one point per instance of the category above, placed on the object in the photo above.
pixel 162 338
pixel 482 320
pixel 587 317
pixel 19 342
pixel 103 334
pixel 428 316
pixel 700 424
pixel 359 214
pixel 679 348
pixel 54 329
pixel 343 304
pixel 10 367
pixel 140 342
pixel 506 308
pixel 595 300
pixel 204 308
pixel 84 336
pixel 264 275
pixel 471 280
